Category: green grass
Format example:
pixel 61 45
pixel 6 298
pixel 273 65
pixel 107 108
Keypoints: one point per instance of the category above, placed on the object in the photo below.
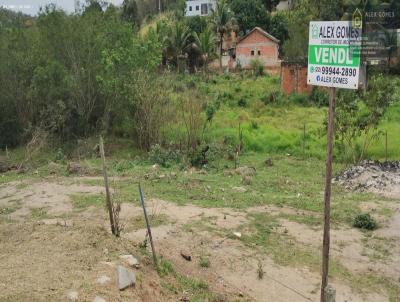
pixel 291 182
pixel 155 221
pixel 204 262
pixel 261 233
pixel 7 210
pixel 197 290
pixel 83 201
pixel 39 213
pixel 271 127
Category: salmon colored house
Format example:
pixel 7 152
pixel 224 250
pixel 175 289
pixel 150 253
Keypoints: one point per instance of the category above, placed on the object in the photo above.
pixel 257 44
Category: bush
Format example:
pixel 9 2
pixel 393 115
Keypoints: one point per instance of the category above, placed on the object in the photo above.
pixel 257 67
pixel 163 157
pixel 299 99
pixel 204 262
pixel 242 102
pixel 319 97
pixel 254 125
pixel 274 97
pixel 365 221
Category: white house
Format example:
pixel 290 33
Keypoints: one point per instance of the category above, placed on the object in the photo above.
pixel 199 7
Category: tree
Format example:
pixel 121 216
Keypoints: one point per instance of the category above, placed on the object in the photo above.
pixel 328 10
pixel 249 14
pixel 196 23
pixel 270 4
pixel 295 48
pixel 278 27
pixel 177 43
pixel 205 44
pixel 224 22
pixel 130 12
pixel 359 114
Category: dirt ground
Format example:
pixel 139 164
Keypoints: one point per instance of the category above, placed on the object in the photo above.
pixel 48 249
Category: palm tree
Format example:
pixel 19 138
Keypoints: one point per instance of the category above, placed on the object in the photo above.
pixel 205 45
pixel 177 42
pixel 224 22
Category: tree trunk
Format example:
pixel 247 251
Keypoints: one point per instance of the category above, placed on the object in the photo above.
pixel 220 50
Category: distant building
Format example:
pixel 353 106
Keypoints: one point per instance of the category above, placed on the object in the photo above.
pixel 199 7
pixel 294 78
pixel 284 5
pixel 260 45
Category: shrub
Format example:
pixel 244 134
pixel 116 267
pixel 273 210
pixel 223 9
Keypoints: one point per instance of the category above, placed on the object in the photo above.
pixel 163 157
pixel 299 99
pixel 274 97
pixel 254 124
pixel 319 97
pixel 204 262
pixel 365 221
pixel 257 67
pixel 242 102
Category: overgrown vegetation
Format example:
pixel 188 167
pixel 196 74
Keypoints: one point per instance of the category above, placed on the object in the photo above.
pixel 365 221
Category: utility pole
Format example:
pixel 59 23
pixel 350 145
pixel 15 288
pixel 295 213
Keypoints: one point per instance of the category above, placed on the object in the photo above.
pixel 328 190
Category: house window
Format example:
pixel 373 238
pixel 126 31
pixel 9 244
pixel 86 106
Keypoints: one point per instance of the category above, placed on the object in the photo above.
pixel 204 9
pixel 197 7
pixel 252 52
pixel 190 8
pixel 259 52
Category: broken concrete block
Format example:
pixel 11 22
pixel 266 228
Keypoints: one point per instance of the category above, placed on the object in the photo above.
pixel 125 278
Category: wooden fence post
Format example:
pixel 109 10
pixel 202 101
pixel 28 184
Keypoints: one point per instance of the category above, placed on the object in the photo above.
pixel 328 190
pixel 108 195
pixel 148 227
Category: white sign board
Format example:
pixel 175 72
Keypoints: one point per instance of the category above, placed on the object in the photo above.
pixel 334 54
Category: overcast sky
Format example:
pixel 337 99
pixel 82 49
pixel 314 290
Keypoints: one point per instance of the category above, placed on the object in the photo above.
pixel 31 7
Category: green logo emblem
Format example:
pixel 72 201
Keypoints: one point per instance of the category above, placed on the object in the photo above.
pixel 315 32
pixel 357 19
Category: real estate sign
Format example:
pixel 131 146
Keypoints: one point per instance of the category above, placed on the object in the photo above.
pixel 334 54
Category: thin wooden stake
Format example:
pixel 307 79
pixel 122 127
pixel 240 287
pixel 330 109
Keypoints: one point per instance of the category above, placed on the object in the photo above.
pixel 386 146
pixel 7 155
pixel 148 227
pixel 108 195
pixel 328 189
pixel 304 139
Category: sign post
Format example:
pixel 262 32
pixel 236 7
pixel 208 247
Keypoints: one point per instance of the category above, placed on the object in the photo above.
pixel 334 62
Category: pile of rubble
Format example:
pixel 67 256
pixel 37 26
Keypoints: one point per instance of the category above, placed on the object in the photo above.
pixel 372 176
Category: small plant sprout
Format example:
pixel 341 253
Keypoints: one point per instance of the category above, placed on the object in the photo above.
pixel 204 261
pixel 260 270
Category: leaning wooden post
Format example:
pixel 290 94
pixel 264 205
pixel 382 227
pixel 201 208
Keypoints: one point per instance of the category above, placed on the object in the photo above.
pixel 148 227
pixel 328 189
pixel 108 195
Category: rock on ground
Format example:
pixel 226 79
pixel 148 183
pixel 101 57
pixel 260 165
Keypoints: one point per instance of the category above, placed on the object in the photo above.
pixel 125 278
pixel 239 189
pixel 72 295
pixel 103 280
pixel 98 299
pixel 129 259
pixel 246 171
